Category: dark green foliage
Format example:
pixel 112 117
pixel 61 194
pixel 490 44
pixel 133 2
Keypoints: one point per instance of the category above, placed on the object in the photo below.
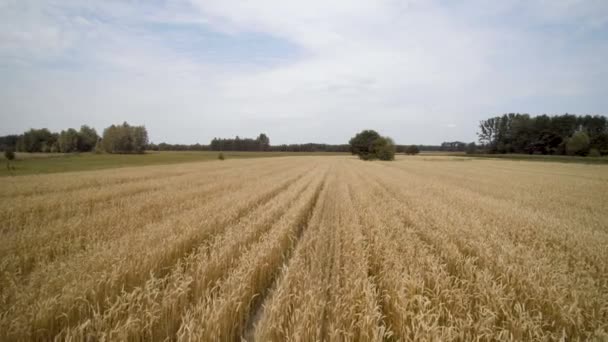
pixel 68 141
pixel 36 140
pixel 261 143
pixel 412 150
pixel 177 147
pixel 578 144
pixel 249 145
pixel 9 142
pixel 310 147
pixel 543 134
pixel 362 144
pixel 600 142
pixel 547 142
pixel 42 140
pixel 369 145
pixel 594 153
pixel 87 138
pixel 384 148
pixel 9 154
pixel 221 156
pixel 264 142
pixel 125 139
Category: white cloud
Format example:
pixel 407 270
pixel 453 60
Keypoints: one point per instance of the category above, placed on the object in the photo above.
pixel 398 66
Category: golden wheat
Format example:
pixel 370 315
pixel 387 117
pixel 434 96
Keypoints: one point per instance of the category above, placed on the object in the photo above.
pixel 307 249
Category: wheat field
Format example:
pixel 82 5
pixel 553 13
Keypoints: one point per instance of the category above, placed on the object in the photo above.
pixel 307 249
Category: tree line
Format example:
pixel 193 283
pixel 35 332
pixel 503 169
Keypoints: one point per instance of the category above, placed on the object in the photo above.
pixel 43 140
pixel 261 143
pixel 177 147
pixel 566 134
pixel 308 147
pixel 116 139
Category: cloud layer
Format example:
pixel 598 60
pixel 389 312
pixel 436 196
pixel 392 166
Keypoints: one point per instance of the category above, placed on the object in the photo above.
pixel 419 71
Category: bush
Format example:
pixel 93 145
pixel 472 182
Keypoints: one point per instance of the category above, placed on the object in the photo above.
pixel 594 153
pixel 221 156
pixel 369 145
pixel 384 149
pixel 9 154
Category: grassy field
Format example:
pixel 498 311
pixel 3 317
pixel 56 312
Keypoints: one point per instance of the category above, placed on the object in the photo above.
pixel 36 163
pixel 524 157
pixel 307 249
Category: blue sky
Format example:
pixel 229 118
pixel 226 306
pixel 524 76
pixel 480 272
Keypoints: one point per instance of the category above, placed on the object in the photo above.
pixel 418 71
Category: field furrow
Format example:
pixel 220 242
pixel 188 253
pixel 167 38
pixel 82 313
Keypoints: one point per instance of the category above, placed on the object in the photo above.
pixel 28 248
pixel 126 263
pixel 334 248
pixel 158 306
pixel 329 297
pixel 558 303
pixel 222 312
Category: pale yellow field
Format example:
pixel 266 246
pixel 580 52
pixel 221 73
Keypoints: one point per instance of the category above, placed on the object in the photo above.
pixel 307 249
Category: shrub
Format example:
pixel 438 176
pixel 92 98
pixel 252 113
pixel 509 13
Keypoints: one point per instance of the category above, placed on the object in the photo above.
pixel 9 154
pixel 384 149
pixel 362 144
pixel 221 156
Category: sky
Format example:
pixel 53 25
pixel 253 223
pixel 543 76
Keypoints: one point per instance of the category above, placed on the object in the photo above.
pixel 420 71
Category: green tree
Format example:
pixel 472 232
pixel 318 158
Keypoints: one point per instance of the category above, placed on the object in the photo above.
pixel 488 133
pixel 600 142
pixel 544 134
pixel 9 154
pixel 578 144
pixel 9 142
pixel 68 141
pixel 34 139
pixel 369 145
pixel 87 138
pixel 263 142
pixel 139 139
pixel 362 144
pixel 125 139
